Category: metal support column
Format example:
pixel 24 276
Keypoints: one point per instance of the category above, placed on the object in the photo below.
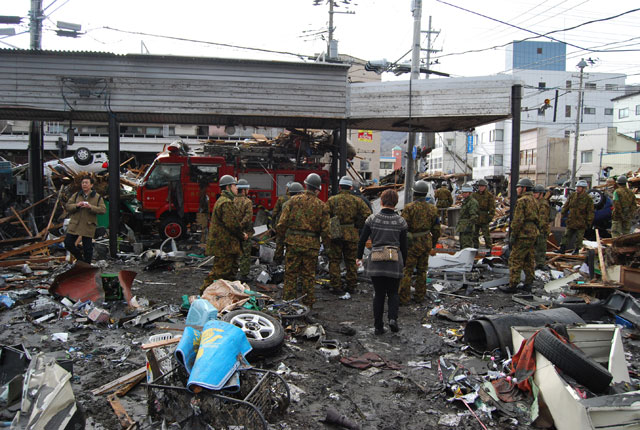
pixel 343 147
pixel 36 182
pixel 335 154
pixel 114 184
pixel 516 103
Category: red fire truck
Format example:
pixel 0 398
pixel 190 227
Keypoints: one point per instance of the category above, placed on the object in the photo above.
pixel 180 184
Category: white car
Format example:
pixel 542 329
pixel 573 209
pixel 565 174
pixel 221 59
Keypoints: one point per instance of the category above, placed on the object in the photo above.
pixel 83 160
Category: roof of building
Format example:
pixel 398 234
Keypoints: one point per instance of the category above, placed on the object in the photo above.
pixel 635 93
pixel 396 147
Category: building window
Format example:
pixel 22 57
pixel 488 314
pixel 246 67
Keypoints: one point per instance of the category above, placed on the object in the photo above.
pixel 637 109
pixel 496 135
pixel 364 165
pixel 567 133
pixel 586 156
pixel 623 113
pixel 589 111
pixel 611 87
pixel 475 161
pixel 567 111
pixel 523 157
pixel 539 50
pixel 608 111
pixel 497 160
pixel 637 135
pixel 590 86
pixel 490 160
pixel 482 161
pixel 542 85
pixel 568 85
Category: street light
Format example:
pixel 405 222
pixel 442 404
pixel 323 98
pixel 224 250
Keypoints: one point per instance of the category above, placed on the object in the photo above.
pixel 581 65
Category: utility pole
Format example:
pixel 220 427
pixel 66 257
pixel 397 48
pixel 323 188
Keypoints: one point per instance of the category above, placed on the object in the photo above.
pixel 35 153
pixel 415 75
pixel 35 26
pixel 332 52
pixel 430 137
pixel 581 65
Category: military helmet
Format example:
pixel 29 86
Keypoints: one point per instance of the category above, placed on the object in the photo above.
pixel 466 188
pixel 538 188
pixel 421 187
pixel 243 184
pixel 482 182
pixel 582 183
pixel 295 188
pixel 313 181
pixel 622 180
pixel 227 180
pixel 525 182
pixel 346 180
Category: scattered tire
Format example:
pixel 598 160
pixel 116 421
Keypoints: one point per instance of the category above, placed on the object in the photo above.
pixel 572 361
pixel 598 197
pixel 83 156
pixel 172 226
pixel 289 311
pixel 264 332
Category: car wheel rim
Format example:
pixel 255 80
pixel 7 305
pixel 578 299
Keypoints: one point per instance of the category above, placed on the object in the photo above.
pixel 255 327
pixel 83 155
pixel 173 229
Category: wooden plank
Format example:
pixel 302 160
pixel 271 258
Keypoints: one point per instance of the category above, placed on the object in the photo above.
pixel 129 377
pixel 44 232
pixel 10 217
pixel 124 418
pixel 603 268
pixel 171 341
pixel 17 215
pixel 126 388
pixel 29 248
pixel 32 260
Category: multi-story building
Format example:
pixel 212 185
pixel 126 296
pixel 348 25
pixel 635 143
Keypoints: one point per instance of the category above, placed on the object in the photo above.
pixel 386 165
pixel 626 114
pixel 549 101
pixel 542 158
pixel 449 155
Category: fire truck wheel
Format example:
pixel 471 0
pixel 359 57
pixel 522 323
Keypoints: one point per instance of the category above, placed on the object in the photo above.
pixel 172 226
pixel 83 156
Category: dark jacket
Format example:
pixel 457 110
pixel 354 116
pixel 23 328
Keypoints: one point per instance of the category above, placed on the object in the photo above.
pixel 385 228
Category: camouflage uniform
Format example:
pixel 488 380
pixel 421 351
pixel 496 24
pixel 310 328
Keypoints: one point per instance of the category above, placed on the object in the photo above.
pixel 225 237
pixel 304 220
pixel 444 200
pixel 423 232
pixel 245 212
pixel 275 216
pixel 624 207
pixel 352 212
pixel 486 211
pixel 544 210
pixel 468 218
pixel 524 231
pixel 581 213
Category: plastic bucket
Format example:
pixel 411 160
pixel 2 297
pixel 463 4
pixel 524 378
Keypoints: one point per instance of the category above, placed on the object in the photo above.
pixel 200 312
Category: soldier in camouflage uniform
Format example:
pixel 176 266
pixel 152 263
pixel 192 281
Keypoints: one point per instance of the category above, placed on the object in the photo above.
pixel 293 188
pixel 422 234
pixel 468 217
pixel 304 220
pixel 444 200
pixel 245 211
pixel 544 215
pixel 522 238
pixel 352 213
pixel 624 208
pixel 581 213
pixel 225 234
pixel 486 211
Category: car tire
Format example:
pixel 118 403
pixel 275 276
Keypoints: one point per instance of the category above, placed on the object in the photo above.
pixel 599 198
pixel 572 361
pixel 289 311
pixel 264 332
pixel 172 226
pixel 83 156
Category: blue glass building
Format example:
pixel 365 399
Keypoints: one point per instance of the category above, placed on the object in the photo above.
pixel 537 55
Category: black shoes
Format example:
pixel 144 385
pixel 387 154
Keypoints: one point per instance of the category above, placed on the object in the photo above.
pixel 378 331
pixel 393 325
pixel 561 250
pixel 509 289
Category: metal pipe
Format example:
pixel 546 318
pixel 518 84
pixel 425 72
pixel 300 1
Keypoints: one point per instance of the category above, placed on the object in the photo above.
pixel 114 184
pixel 516 103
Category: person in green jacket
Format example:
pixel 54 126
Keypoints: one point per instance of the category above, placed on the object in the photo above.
pixel 580 212
pixel 468 217
pixel 544 210
pixel 486 211
pixel 624 208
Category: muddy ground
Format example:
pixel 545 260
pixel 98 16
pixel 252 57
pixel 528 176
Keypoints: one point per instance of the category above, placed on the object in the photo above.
pixel 409 398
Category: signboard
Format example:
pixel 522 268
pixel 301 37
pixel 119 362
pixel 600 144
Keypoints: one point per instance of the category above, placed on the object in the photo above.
pixel 470 144
pixel 365 135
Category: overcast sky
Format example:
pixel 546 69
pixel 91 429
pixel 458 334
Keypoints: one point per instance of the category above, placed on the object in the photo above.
pixel 378 29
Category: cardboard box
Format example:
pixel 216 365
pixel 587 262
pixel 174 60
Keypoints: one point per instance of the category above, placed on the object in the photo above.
pixel 603 343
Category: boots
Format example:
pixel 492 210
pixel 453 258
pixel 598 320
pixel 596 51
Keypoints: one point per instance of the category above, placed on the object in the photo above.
pixel 561 250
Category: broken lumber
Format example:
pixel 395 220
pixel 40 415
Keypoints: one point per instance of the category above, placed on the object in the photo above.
pixel 21 211
pixel 33 260
pixel 171 341
pixel 17 215
pixel 44 232
pixel 603 268
pixel 124 418
pixel 29 248
pixel 126 379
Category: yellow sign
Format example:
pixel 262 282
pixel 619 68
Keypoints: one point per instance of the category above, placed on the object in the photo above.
pixel 365 135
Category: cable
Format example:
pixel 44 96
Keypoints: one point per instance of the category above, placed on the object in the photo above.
pixel 227 45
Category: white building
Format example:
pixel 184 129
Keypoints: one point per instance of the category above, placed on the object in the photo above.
pixel 386 165
pixel 626 114
pixel 449 155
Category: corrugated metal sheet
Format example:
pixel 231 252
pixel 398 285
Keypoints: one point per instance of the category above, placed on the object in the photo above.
pixel 167 89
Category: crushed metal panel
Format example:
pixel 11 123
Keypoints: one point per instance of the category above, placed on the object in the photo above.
pixel 79 284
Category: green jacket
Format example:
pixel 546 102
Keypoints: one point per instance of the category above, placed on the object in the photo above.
pixel 468 215
pixel 245 211
pixel 486 206
pixel 83 221
pixel 544 210
pixel 352 212
pixel 624 204
pixel 525 218
pixel 304 220
pixel 423 224
pixel 225 228
pixel 444 199
pixel 580 209
pixel 277 210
